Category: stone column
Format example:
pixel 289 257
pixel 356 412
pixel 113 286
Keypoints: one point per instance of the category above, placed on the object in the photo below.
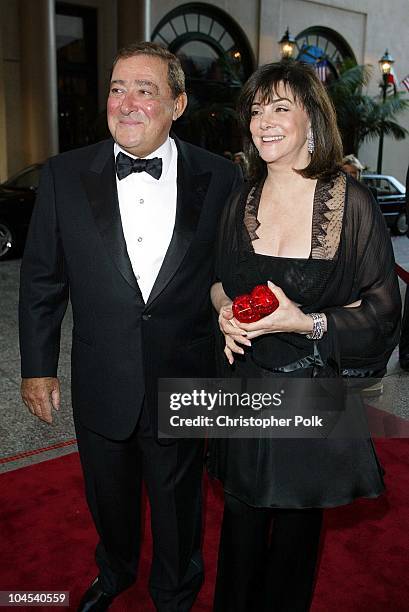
pixel 134 21
pixel 39 79
pixel 270 31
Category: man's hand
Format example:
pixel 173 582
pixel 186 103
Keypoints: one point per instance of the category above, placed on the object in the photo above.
pixel 41 395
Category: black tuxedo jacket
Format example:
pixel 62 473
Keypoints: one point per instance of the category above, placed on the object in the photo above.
pixel 76 248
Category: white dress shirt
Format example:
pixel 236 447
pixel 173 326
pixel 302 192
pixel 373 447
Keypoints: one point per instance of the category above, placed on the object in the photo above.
pixel 148 211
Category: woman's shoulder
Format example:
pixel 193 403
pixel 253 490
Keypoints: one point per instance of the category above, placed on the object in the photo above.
pixel 359 195
pixel 357 198
pixel 241 195
pixel 353 189
pixel 363 214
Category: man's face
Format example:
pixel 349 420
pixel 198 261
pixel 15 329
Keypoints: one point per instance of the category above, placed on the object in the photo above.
pixel 140 106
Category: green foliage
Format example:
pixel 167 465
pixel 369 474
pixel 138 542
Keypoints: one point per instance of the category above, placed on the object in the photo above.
pixel 362 117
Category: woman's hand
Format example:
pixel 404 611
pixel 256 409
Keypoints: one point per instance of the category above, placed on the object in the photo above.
pixel 233 334
pixel 287 318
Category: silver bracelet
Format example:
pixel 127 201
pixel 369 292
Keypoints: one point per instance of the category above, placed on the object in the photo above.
pixel 318 326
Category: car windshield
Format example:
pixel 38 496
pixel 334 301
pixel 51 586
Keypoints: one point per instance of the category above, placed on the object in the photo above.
pixel 24 180
pixel 383 185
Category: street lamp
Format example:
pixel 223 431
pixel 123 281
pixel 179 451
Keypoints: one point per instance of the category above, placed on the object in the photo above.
pixel 287 45
pixel 385 66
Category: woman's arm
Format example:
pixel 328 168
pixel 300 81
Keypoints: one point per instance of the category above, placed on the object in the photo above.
pixel 218 297
pixel 367 334
pixel 233 335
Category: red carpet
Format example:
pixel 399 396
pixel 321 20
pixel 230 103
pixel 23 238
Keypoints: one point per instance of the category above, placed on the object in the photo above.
pixel 47 540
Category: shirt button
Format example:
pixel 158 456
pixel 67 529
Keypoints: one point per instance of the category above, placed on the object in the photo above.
pixel 146 317
pixel 140 239
pixel 141 201
pixel 138 277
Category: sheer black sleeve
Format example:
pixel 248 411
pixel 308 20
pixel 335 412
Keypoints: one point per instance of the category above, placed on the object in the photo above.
pixel 226 242
pixel 367 335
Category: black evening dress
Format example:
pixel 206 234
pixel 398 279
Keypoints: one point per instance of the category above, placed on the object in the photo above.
pixel 311 473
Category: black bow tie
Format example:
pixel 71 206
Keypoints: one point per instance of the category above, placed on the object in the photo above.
pixel 125 165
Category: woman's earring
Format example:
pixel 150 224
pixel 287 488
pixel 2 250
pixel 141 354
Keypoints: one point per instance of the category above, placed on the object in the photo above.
pixel 311 143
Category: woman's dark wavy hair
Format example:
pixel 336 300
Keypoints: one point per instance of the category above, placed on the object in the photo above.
pixel 310 93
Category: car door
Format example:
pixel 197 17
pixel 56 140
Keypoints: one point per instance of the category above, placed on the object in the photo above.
pixel 390 200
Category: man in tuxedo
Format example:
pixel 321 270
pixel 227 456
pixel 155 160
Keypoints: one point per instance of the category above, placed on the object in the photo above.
pixel 126 228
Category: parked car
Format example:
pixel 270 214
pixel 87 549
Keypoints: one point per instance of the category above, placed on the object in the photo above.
pixel 17 196
pixel 391 197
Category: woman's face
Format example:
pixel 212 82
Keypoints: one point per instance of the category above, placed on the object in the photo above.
pixel 280 129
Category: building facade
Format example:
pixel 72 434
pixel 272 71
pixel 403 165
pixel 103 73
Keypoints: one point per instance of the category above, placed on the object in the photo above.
pixel 56 57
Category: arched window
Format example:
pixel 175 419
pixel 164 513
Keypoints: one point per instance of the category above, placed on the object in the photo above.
pixel 217 59
pixel 325 49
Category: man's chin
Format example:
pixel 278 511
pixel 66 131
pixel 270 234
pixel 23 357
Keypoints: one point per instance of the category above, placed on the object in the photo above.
pixel 131 146
pixel 130 137
pixel 138 147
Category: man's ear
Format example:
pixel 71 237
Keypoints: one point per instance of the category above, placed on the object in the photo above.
pixel 179 106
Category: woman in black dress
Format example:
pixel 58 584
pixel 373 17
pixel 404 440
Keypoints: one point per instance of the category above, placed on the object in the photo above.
pixel 319 240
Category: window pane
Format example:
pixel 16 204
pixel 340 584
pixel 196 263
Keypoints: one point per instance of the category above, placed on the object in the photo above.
pixel 386 187
pixel 70 38
pixel 199 60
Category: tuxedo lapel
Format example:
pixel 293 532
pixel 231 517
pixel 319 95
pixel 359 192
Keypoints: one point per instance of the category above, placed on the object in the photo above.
pixel 192 187
pixel 100 185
